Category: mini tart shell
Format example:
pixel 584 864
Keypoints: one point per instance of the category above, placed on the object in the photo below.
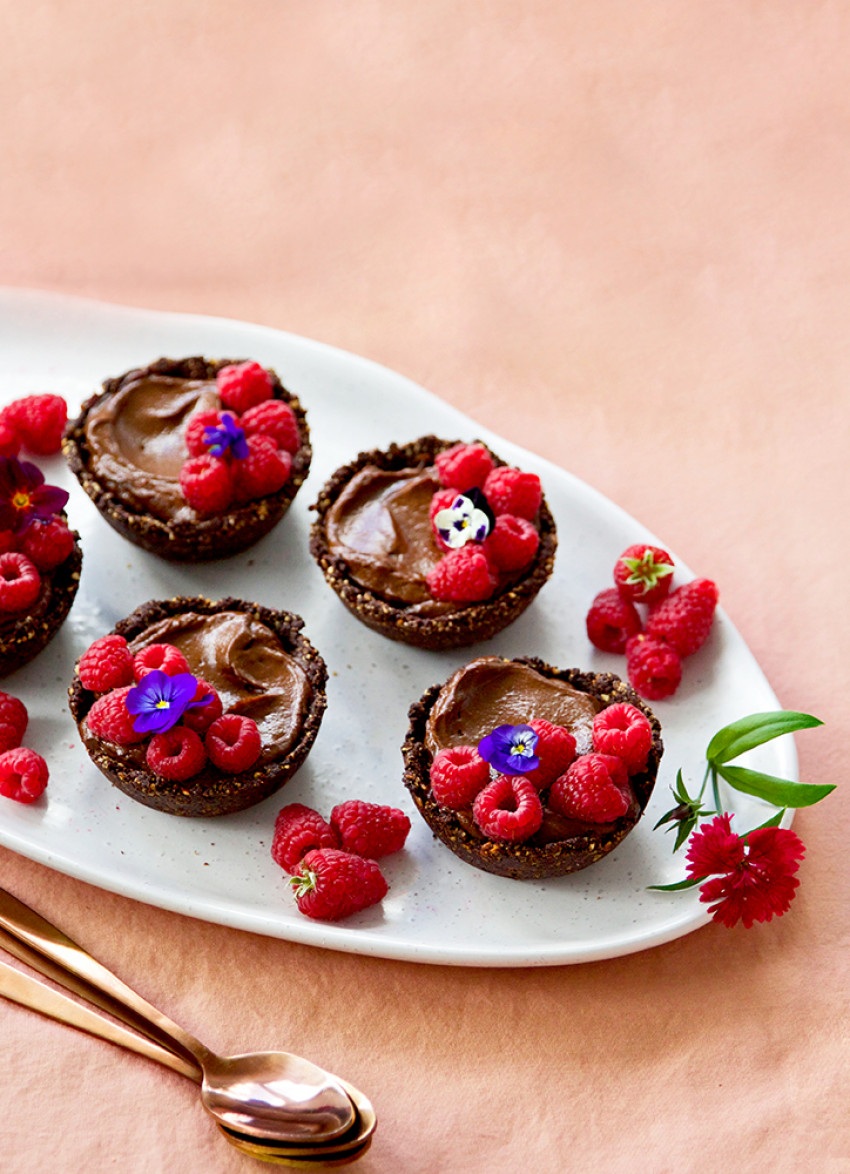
pixel 528 861
pixel 205 538
pixel 470 623
pixel 22 637
pixel 231 792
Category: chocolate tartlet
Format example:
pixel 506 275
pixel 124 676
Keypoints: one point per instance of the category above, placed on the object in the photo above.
pixel 262 667
pixel 493 690
pixel 374 541
pixel 126 448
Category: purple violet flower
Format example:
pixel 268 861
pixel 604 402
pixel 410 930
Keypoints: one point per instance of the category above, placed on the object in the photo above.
pixel 468 519
pixel 227 437
pixel 159 701
pixel 24 497
pixel 510 749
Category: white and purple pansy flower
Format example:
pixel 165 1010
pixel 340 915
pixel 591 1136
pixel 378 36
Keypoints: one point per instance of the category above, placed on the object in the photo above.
pixel 468 519
pixel 510 749
pixel 226 437
pixel 159 701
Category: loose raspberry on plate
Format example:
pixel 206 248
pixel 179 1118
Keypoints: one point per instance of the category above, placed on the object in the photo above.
pixel 684 619
pixel 13 721
pixel 47 544
pixel 511 491
pixel 265 470
pixel 107 664
pixel 462 576
pixel 10 441
pixel 594 789
pixel 654 668
pixel 334 884
pixel 298 830
pixel 165 657
pixel 176 754
pixel 206 483
pixel 233 742
pixel 643 574
pixel 243 385
pixel 23 775
pixel 556 748
pixel 458 773
pixel 369 829
pixel 274 419
pixel 196 426
pixel 611 621
pixel 39 420
pixel 20 582
pixel 202 717
pixel 508 808
pixel 110 719
pixel 463 466
pixel 625 732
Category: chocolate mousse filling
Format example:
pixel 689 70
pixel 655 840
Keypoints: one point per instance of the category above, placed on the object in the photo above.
pixel 493 691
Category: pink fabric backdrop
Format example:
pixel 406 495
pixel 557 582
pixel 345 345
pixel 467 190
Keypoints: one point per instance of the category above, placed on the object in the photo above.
pixel 618 234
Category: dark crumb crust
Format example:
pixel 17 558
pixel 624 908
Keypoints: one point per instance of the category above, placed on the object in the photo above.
pixel 32 633
pixel 231 792
pixel 528 861
pixel 469 624
pixel 205 538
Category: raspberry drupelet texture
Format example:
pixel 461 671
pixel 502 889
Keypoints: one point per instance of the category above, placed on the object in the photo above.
pixel 233 742
pixel 243 385
pixel 176 754
pixel 110 719
pixel 463 466
pixel 622 730
pixel 20 582
pixel 643 574
pixel 556 749
pixel 197 425
pixel 206 483
pixel 106 664
pixel 508 808
pixel 511 491
pixel 38 420
pixel 654 668
pixel 10 441
pixel 265 470
pixel 333 884
pixel 370 829
pixel 23 775
pixel 13 722
pixel 274 419
pixel 298 830
pixel 165 657
pixel 512 543
pixel 685 618
pixel 462 576
pixel 202 717
pixel 458 773
pixel 47 544
pixel 611 621
pixel 594 788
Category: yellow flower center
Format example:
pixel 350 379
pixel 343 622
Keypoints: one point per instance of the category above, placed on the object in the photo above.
pixel 21 500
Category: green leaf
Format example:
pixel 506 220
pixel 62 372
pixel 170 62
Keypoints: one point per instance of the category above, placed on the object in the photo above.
pixel 779 792
pixel 679 885
pixel 755 730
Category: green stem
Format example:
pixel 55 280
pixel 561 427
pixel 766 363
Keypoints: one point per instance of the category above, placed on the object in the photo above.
pixel 716 789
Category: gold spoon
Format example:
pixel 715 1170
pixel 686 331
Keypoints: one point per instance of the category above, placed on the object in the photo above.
pixel 273 1095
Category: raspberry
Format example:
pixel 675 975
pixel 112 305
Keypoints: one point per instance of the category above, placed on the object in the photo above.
pixel 369 829
pixel 622 730
pixel 556 748
pixel 510 491
pixel 334 884
pixel 176 754
pixel 594 789
pixel 110 719
pixel 165 657
pixel 202 717
pixel 441 500
pixel 47 544
pixel 196 426
pixel 243 386
pixel 643 574
pixel 233 742
pixel 611 621
pixel 462 576
pixel 13 721
pixel 23 775
pixel 265 470
pixel 512 543
pixel 206 483
pixel 10 441
pixel 654 668
pixel 297 830
pixel 275 419
pixel 508 808
pixel 684 619
pixel 20 582
pixel 39 421
pixel 106 664
pixel 463 466
pixel 8 541
pixel 458 773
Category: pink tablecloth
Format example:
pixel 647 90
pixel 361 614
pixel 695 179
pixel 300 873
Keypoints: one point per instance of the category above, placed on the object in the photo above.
pixel 618 235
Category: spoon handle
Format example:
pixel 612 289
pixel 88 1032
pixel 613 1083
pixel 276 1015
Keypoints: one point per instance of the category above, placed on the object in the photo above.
pixel 29 992
pixel 47 941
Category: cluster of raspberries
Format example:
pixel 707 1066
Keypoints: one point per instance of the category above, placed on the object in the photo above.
pixel 34 422
pixel 26 556
pixel 470 573
pixel 592 787
pixel 332 863
pixel 230 741
pixel 215 476
pixel 677 623
pixel 23 773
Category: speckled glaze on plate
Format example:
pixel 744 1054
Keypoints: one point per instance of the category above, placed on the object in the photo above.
pixel 438 910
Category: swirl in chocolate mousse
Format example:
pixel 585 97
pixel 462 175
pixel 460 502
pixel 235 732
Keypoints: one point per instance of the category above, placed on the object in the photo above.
pixel 136 439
